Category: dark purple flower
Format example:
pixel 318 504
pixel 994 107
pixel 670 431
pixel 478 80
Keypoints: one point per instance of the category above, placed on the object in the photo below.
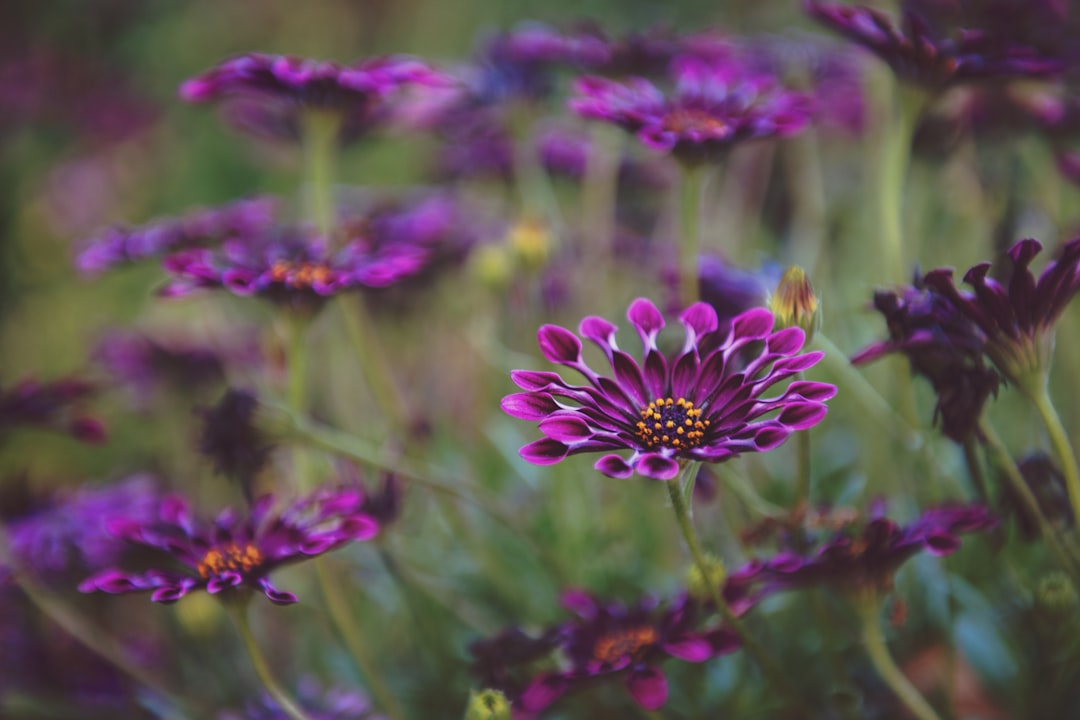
pixel 1017 318
pixel 706 403
pixel 944 346
pixel 930 56
pixel 121 245
pixel 865 555
pixel 267 94
pixel 57 405
pixel 503 662
pixel 233 442
pixel 336 703
pixel 235 551
pixel 713 107
pixel 610 640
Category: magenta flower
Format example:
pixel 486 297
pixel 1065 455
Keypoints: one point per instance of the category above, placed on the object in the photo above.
pixel 57 405
pixel 1017 318
pixel 266 94
pixel 613 641
pixel 235 551
pixel 705 404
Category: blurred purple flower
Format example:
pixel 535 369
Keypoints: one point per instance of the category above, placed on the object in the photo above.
pixel 503 661
pixel 336 703
pixel 231 439
pixel 704 404
pixel 56 405
pixel 930 56
pixel 267 94
pixel 235 551
pixel 714 107
pixel 610 640
pixel 119 245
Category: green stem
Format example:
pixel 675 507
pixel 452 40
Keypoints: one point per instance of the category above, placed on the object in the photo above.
pixel 373 364
pixel 354 640
pixel 894 165
pixel 1059 439
pixel 238 612
pixel 598 198
pixel 803 470
pixel 691 182
pixel 320 129
pixel 874 641
pixel 753 648
pixel 296 357
pixel 971 459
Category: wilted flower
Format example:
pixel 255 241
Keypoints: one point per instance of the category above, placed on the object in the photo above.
pixel 57 405
pixel 235 551
pixel 714 106
pixel 704 404
pixel 504 661
pixel 232 439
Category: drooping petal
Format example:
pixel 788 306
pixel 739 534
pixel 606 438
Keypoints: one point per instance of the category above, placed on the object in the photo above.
pixel 648 687
pixel 544 451
pixel 657 467
pixel 614 466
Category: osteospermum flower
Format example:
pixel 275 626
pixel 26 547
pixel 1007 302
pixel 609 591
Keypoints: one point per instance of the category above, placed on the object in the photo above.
pixel 1017 318
pixel 57 405
pixel 268 94
pixel 713 107
pixel 235 551
pixel 928 56
pixel 706 403
pixel 613 641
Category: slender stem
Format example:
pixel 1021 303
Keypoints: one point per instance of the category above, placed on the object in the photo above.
pixel 874 641
pixel 1059 439
pixel 803 470
pixel 768 666
pixel 320 130
pixel 296 358
pixel 354 640
pixel 238 612
pixel 971 459
pixel 372 361
pixel 894 165
pixel 690 186
pixel 598 197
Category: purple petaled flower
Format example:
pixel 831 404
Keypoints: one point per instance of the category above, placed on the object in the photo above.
pixel 928 56
pixel 337 703
pixel 120 245
pixel 714 106
pixel 504 662
pixel 944 346
pixel 864 556
pixel 704 404
pixel 57 405
pixel 267 94
pixel 611 641
pixel 235 551
pixel 1017 318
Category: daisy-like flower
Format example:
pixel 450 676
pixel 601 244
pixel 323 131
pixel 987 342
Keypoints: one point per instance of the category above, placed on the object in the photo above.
pixel 234 551
pixel 713 107
pixel 56 405
pixel 1017 318
pixel 268 94
pixel 707 403
pixel 929 56
pixel 856 555
pixel 614 641
pixel 944 346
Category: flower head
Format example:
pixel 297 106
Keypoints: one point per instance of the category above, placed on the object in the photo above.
pixel 232 440
pixel 267 94
pixel 57 405
pixel 706 403
pixel 931 56
pixel 1017 318
pixel 235 551
pixel 714 106
pixel 612 640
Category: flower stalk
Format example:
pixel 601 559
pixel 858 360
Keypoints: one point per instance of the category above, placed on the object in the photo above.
pixel 320 129
pixel 691 184
pixel 1059 440
pixel 238 613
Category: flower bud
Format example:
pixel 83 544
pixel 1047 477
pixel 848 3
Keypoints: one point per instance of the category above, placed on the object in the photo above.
pixel 492 266
pixel 699 585
pixel 794 303
pixel 531 241
pixel 487 705
pixel 1056 598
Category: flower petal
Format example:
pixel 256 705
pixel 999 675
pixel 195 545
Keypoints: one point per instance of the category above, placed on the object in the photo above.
pixel 544 451
pixel 657 467
pixel 614 466
pixel 648 687
pixel 559 345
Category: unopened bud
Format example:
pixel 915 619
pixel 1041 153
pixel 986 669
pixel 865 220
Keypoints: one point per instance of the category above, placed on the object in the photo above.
pixel 1056 597
pixel 487 705
pixel 530 241
pixel 794 303
pixel 491 265
pixel 702 585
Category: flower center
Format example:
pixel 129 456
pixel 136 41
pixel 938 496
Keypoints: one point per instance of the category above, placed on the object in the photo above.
pixel 632 642
pixel 230 557
pixel 675 424
pixel 300 275
pixel 684 120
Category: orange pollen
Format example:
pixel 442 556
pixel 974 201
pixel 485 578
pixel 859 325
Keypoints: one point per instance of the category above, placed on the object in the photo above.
pixel 299 275
pixel 682 120
pixel 230 557
pixel 633 642
pixel 670 423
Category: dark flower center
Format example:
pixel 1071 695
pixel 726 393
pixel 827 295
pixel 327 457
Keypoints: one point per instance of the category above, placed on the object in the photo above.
pixel 685 120
pixel 675 424
pixel 299 275
pixel 632 642
pixel 230 557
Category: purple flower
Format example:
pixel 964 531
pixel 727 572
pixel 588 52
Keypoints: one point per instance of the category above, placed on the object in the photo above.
pixel 1017 318
pixel 235 551
pixel 857 556
pixel 704 404
pixel 336 703
pixel 610 640
pixel 233 442
pixel 944 346
pixel 501 662
pixel 713 107
pixel 930 56
pixel 120 245
pixel 266 94
pixel 57 405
